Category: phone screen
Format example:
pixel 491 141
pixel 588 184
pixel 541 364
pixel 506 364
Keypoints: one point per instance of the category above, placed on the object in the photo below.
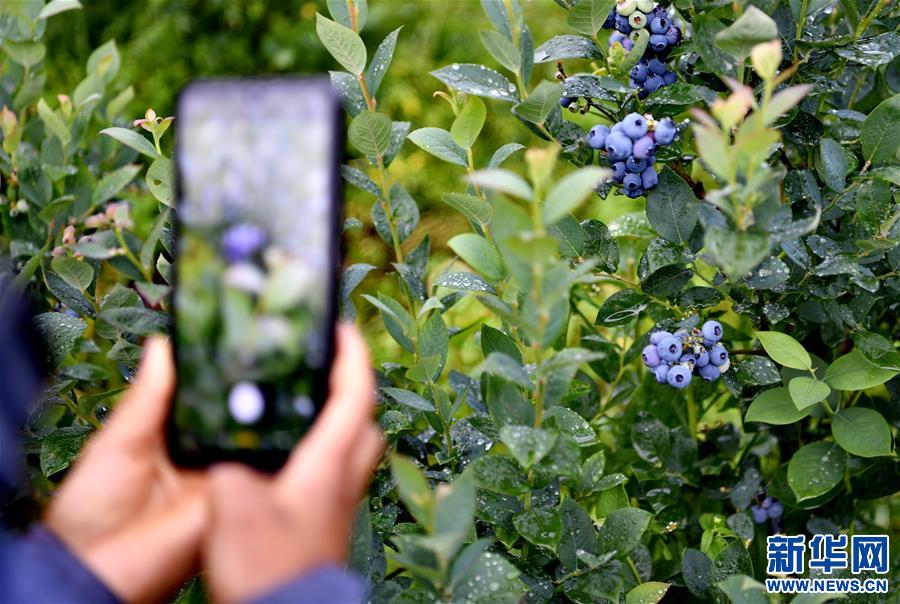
pixel 256 260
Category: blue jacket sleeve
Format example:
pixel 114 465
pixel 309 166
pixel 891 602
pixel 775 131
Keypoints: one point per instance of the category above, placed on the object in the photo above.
pixel 325 585
pixel 38 568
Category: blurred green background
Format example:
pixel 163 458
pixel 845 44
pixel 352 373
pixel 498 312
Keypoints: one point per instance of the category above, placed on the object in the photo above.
pixel 166 43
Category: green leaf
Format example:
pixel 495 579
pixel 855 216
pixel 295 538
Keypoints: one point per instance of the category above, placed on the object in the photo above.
pixel 477 253
pixel 542 100
pixel 439 143
pixel 877 349
pixel 53 122
pixel 695 566
pixel 60 448
pixel 454 511
pixel 540 526
pixel 467 125
pixel 474 208
pixel 489 578
pixel 528 445
pixel 381 60
pixel 815 469
pixel 135 319
pixel 775 407
pixel 752 28
pixel 566 47
pixel 343 43
pixel 570 191
pixel 621 307
pixel 880 133
pixel 647 593
pixel 784 349
pixel 854 372
pixel 59 333
pixel 370 133
pixel 479 80
pixel 463 281
pixel 622 530
pixel 409 398
pixel 587 16
pixel 569 422
pixel 149 246
pixel 350 279
pixel 502 49
pixel 807 391
pixel 500 474
pixel 113 183
pixel 672 207
pixel 132 139
pixel 104 62
pixel 160 178
pixel 862 432
pixel 340 12
pixel 831 164
pixel 77 274
pixel 26 53
pixel 413 488
pixel 742 589
pixel 756 371
pixel 736 253
pixel 503 153
pixel 405 212
pixel 502 181
pixel 733 560
pixel 55 7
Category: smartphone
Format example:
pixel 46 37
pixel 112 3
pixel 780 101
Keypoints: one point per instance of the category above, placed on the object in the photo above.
pixel 257 257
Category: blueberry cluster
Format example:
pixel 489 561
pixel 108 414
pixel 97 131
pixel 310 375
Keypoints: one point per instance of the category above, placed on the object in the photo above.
pixel 765 509
pixel 630 147
pixel 628 18
pixel 675 358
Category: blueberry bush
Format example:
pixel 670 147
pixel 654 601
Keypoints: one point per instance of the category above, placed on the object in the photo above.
pixel 576 410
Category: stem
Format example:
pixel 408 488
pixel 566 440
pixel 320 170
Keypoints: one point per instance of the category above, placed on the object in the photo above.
pixel 354 15
pixel 634 570
pixel 131 257
pixel 85 418
pixel 801 23
pixel 867 20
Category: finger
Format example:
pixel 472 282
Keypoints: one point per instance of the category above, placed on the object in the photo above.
pixel 366 456
pixel 238 496
pixel 141 414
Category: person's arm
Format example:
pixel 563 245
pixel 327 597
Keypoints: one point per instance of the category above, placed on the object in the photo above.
pixel 38 568
pixel 325 585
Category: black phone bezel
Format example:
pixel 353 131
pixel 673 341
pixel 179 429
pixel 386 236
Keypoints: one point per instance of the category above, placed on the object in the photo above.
pixel 268 460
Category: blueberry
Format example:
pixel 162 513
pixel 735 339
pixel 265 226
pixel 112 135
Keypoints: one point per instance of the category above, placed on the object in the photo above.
pixel 673 36
pixel 634 125
pixel 634 194
pixel 637 20
pixel 646 6
pixel 622 25
pixel 643 147
pixel 669 78
pixel 656 66
pixel 610 20
pixel 661 372
pixel 653 83
pixel 665 131
pixel 617 127
pixel 627 44
pixel 565 101
pixel 775 510
pixel 631 182
pixel 635 165
pixel 619 169
pixel 597 136
pixel 649 178
pixel 659 25
pixel 688 359
pixel 658 43
pixel 658 336
pixel 669 348
pixel 639 72
pixel 703 359
pixel 712 331
pixel 709 372
pixel 242 241
pixel 618 146
pixel 718 355
pixel 626 7
pixel 759 515
pixel 616 36
pixel 679 376
pixel 651 356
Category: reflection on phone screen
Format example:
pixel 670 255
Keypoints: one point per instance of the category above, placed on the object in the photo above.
pixel 255 261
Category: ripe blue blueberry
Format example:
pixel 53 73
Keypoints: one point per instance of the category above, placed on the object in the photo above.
pixel 616 36
pixel 659 25
pixel 618 146
pixel 669 78
pixel 622 24
pixel 718 355
pixel 656 66
pixel 672 36
pixel 688 360
pixel 610 20
pixel 597 136
pixel 679 376
pixel 632 164
pixel 759 515
pixel 619 170
pixel 634 194
pixel 658 336
pixel 650 355
pixel 665 131
pixel 242 241
pixel 634 125
pixel 669 348
pixel 653 83
pixel 712 331
pixel 658 43
pixel 639 72
pixel 565 101
pixel 709 372
pixel 776 509
pixel 649 178
pixel 661 372
pixel 631 182
pixel 703 358
pixel 643 147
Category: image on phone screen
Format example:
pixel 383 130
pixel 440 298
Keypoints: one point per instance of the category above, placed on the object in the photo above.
pixel 256 261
